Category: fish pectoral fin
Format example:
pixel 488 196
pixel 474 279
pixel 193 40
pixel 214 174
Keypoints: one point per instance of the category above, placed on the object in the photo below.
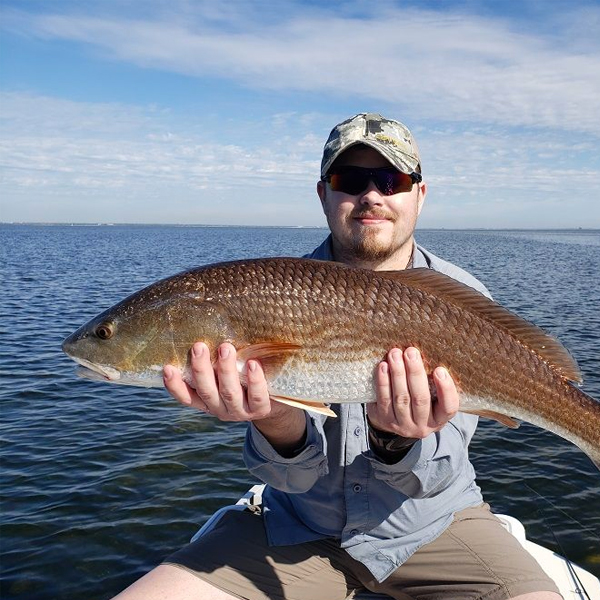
pixel 490 414
pixel 272 355
pixel 308 405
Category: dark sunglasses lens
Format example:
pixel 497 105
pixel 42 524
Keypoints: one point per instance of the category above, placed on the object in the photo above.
pixel 393 182
pixel 349 182
pixel 356 180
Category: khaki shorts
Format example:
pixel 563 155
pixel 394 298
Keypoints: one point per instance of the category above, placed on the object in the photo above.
pixel 475 558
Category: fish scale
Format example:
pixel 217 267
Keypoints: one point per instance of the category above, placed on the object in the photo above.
pixel 321 328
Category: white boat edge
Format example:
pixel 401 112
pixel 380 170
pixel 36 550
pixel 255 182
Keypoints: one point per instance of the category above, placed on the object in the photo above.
pixel 573 582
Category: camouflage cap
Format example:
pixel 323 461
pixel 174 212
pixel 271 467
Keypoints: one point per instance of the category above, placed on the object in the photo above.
pixel 390 138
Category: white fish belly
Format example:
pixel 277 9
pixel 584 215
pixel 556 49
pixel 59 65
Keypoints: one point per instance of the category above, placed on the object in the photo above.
pixel 328 382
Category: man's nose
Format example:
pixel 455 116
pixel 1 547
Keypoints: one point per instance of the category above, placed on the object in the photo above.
pixel 371 196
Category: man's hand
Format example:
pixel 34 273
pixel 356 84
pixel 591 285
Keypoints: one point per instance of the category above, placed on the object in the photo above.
pixel 404 404
pixel 218 391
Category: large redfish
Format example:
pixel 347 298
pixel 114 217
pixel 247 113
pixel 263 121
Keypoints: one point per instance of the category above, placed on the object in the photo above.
pixel 320 328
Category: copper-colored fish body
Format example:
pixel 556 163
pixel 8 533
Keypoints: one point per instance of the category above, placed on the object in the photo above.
pixel 320 329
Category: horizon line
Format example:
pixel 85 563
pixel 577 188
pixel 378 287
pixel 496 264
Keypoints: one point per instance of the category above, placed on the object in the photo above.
pixel 206 225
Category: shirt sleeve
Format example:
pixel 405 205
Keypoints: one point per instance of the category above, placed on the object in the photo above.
pixel 432 463
pixel 292 475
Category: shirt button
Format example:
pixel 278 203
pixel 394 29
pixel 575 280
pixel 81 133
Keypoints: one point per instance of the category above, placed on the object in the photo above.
pixel 357 431
pixel 357 487
pixel 354 532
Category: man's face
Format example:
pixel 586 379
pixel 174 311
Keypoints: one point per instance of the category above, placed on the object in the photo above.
pixel 371 229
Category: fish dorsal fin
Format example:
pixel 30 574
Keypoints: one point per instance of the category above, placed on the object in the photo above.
pixel 467 298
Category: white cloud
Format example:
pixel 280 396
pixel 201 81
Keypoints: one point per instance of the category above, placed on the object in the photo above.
pixel 457 66
pixel 66 163
pixel 64 152
pixel 504 111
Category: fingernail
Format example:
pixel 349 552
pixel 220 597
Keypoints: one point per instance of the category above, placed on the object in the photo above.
pixel 396 355
pixel 412 353
pixel 251 366
pixel 441 373
pixel 168 372
pixel 198 349
pixel 223 351
pixel 384 368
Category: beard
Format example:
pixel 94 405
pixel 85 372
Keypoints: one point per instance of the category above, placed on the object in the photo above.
pixel 367 244
pixel 370 248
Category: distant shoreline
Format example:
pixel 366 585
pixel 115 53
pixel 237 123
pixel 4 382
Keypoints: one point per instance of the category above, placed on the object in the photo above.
pixel 42 224
pixel 324 227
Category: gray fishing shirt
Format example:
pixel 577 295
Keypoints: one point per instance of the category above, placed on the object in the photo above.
pixel 336 487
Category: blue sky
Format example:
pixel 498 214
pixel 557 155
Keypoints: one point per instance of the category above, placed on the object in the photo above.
pixel 216 111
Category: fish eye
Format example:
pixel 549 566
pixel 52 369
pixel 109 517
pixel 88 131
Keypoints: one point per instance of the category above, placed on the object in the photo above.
pixel 104 331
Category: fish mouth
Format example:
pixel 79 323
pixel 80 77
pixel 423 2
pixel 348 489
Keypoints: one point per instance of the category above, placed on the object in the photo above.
pixel 90 370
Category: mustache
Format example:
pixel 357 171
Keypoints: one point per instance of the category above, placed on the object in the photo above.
pixel 373 214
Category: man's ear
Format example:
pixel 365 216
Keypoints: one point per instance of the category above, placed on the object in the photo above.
pixel 421 198
pixel 322 193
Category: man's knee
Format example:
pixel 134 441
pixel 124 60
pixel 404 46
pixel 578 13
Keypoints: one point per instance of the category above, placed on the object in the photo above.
pixel 538 596
pixel 169 581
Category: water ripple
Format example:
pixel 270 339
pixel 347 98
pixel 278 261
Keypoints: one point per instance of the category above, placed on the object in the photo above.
pixel 100 482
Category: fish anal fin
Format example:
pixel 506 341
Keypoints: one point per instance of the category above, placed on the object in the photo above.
pixel 271 355
pixel 308 405
pixel 490 414
pixel 467 298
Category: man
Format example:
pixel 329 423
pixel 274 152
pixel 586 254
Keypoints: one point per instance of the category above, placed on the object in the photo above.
pixel 383 497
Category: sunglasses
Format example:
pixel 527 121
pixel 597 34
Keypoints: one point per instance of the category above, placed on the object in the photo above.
pixel 354 180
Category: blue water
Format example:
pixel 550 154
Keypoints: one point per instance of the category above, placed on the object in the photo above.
pixel 100 482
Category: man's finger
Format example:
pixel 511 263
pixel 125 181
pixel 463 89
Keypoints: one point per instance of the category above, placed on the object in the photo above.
pixel 259 403
pixel 381 411
pixel 179 389
pixel 418 386
pixel 448 400
pixel 400 390
pixel 383 387
pixel 203 376
pixel 231 393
